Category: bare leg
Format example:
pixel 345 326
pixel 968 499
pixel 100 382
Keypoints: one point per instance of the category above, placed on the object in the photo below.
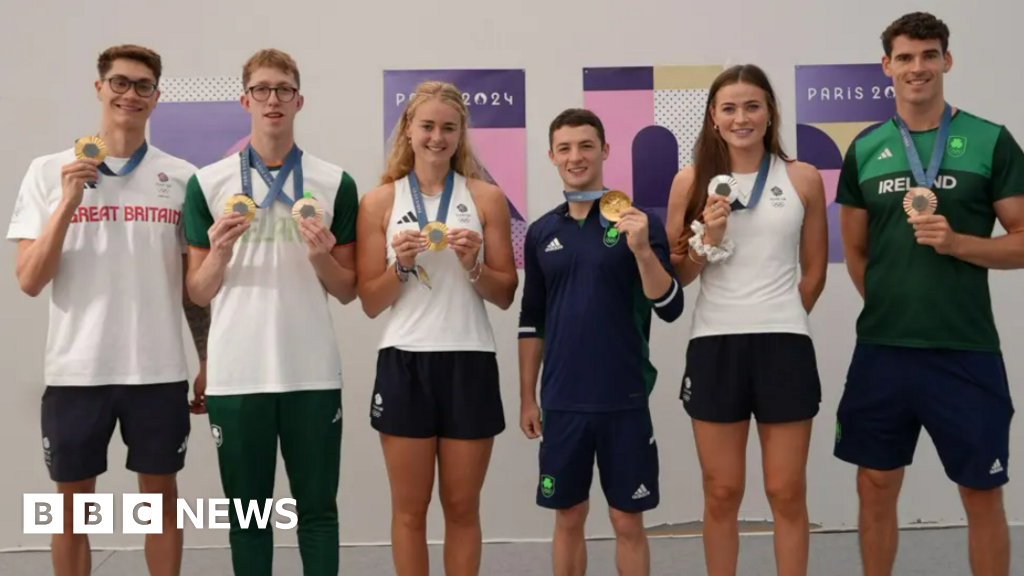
pixel 722 449
pixel 410 465
pixel 632 553
pixel 988 533
pixel 879 492
pixel 71 553
pixel 570 546
pixel 463 468
pixel 784 450
pixel 163 551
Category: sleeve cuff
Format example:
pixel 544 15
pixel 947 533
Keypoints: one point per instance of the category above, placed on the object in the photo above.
pixel 667 298
pixel 530 332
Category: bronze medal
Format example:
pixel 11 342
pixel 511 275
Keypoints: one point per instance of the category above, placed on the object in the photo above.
pixel 920 202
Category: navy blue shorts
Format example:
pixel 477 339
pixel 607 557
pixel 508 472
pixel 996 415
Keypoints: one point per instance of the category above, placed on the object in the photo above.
pixel 961 399
pixel 627 458
pixel 78 423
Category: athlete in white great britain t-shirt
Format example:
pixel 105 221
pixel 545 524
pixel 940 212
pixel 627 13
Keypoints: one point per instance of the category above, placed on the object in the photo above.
pixel 106 235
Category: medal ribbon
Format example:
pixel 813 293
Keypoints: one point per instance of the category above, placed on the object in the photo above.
pixel 132 164
pixel 762 178
pixel 417 198
pixel 938 149
pixel 583 196
pixel 292 162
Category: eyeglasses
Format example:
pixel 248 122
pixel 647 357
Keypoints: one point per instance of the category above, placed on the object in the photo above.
pixel 120 85
pixel 284 93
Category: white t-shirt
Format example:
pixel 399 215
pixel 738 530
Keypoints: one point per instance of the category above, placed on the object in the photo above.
pixel 271 328
pixel 116 300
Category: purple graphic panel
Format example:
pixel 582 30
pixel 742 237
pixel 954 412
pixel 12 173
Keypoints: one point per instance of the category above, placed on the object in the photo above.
pixel 199 132
pixel 619 78
pixel 835 105
pixel 496 98
pixel 843 93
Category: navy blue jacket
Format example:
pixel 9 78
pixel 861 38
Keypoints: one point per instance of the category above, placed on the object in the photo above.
pixel 583 295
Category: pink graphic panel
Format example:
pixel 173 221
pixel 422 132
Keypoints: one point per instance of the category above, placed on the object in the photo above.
pixel 503 152
pixel 624 113
pixel 831 181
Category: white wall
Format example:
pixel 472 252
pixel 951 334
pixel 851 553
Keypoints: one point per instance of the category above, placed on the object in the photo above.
pixel 47 54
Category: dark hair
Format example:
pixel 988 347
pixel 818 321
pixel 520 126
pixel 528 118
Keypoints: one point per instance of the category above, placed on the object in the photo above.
pixel 711 153
pixel 140 54
pixel 574 117
pixel 916 26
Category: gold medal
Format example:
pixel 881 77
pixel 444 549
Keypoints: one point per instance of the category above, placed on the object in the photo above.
pixel 241 204
pixel 920 202
pixel 307 207
pixel 613 203
pixel 437 236
pixel 724 185
pixel 91 147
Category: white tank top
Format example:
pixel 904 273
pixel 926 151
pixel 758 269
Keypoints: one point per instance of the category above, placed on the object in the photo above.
pixel 757 289
pixel 451 316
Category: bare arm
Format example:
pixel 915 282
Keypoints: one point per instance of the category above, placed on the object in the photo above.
pixel 198 317
pixel 38 259
pixel 853 225
pixel 1005 252
pixel 813 233
pixel 206 267
pixel 687 264
pixel 377 283
pixel 498 278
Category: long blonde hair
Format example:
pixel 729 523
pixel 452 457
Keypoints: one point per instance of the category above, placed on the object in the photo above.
pixel 401 158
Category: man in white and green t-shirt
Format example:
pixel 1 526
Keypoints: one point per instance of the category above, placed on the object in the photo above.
pixel 101 224
pixel 275 368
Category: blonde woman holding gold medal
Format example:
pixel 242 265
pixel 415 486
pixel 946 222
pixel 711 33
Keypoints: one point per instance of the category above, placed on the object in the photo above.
pixel 751 225
pixel 435 247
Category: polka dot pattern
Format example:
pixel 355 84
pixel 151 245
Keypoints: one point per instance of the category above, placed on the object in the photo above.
pixel 216 89
pixel 682 112
pixel 518 241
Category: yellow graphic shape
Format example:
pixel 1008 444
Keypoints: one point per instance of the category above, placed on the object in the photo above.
pixel 685 77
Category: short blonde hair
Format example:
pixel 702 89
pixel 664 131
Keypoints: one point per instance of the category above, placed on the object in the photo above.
pixel 401 158
pixel 270 58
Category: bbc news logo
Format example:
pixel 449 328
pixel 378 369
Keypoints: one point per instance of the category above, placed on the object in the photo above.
pixel 143 513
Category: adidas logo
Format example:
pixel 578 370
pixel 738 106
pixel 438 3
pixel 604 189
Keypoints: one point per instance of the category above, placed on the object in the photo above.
pixel 409 217
pixel 184 446
pixel 337 416
pixel 996 467
pixel 554 245
pixel 641 492
pixel 885 154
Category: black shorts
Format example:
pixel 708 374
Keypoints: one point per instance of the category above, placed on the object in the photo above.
pixel 444 394
pixel 78 423
pixel 772 376
pixel 960 397
pixel 622 443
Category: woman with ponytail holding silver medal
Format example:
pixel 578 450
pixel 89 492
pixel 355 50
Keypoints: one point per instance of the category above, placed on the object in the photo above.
pixel 751 223
pixel 436 401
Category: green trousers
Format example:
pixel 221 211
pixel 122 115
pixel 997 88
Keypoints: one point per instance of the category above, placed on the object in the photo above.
pixel 246 429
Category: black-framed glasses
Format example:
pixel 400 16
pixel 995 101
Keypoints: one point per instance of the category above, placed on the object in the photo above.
pixel 284 93
pixel 120 85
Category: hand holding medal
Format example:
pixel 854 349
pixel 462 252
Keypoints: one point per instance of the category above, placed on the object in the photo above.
pixel 466 245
